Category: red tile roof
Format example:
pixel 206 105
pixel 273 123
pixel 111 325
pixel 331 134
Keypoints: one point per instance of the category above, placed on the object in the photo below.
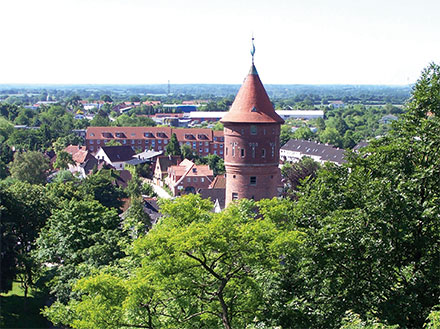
pixel 219 182
pixel 252 104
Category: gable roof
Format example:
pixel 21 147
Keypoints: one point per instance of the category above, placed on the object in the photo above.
pixel 252 104
pixel 214 194
pixel 167 161
pixel 218 182
pixel 118 153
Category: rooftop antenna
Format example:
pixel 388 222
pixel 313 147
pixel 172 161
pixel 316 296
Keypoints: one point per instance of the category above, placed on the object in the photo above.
pixel 253 49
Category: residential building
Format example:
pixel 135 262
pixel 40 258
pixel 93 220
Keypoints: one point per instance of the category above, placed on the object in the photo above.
pixel 162 165
pixel 202 140
pixel 295 149
pixel 187 177
pixel 116 156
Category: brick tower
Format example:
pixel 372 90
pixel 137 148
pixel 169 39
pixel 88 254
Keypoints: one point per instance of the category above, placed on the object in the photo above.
pixel 252 143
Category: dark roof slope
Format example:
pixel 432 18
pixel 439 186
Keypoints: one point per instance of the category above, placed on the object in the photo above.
pixel 119 153
pixel 167 161
pixel 326 152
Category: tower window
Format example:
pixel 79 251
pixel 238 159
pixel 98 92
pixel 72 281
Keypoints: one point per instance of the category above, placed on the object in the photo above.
pixel 263 153
pixel 242 153
pixel 253 180
pixel 253 130
pixel 234 196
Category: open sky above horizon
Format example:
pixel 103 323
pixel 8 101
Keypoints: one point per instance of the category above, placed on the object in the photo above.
pixel 204 41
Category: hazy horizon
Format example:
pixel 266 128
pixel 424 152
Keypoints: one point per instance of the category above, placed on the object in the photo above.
pixel 144 42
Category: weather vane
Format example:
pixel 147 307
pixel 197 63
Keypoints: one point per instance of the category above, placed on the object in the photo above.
pixel 253 50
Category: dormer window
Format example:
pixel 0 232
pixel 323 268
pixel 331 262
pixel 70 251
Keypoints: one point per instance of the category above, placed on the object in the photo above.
pixel 253 129
pixel 120 134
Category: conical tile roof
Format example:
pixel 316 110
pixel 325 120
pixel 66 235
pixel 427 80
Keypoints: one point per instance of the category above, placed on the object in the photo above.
pixel 252 104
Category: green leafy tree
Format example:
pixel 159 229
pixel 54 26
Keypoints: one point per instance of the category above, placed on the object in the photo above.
pixel 63 160
pixel 102 187
pixel 372 229
pixel 299 173
pixel 106 98
pixel 331 136
pixel 173 147
pixel 78 237
pixel 303 133
pixel 30 166
pixel 188 152
pixel 194 269
pixel 24 209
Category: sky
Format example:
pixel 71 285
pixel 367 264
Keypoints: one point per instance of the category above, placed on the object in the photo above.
pixel 209 41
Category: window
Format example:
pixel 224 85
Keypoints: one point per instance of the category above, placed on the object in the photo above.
pixel 234 196
pixel 159 141
pixel 124 141
pixel 165 141
pixel 200 143
pixel 160 148
pixel 153 143
pixel 221 151
pixel 139 141
pixel 215 146
pixel 92 134
pixel 98 142
pixel 132 141
pixel 242 153
pixel 91 148
pixel 91 142
pixel 188 180
pixel 253 130
pixel 253 180
pixel 215 152
pixel 206 150
pixel 202 179
pixel 194 145
pixel 206 143
pixel 263 153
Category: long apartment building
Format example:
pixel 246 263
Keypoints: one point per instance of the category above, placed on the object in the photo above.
pixel 203 141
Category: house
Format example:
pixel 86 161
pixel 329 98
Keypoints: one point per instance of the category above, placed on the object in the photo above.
pixel 216 192
pixel 145 157
pixel 116 156
pixel 187 177
pixel 162 165
pixel 84 161
pixel 295 149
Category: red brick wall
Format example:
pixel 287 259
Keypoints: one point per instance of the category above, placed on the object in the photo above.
pixel 256 155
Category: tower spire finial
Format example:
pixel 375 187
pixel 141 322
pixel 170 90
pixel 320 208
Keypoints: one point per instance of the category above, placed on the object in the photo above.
pixel 253 49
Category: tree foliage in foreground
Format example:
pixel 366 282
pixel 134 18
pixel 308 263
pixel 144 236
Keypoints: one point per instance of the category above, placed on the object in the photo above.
pixel 193 269
pixel 372 228
pixel 79 236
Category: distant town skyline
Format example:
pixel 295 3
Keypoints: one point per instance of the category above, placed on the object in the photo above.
pixel 196 41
